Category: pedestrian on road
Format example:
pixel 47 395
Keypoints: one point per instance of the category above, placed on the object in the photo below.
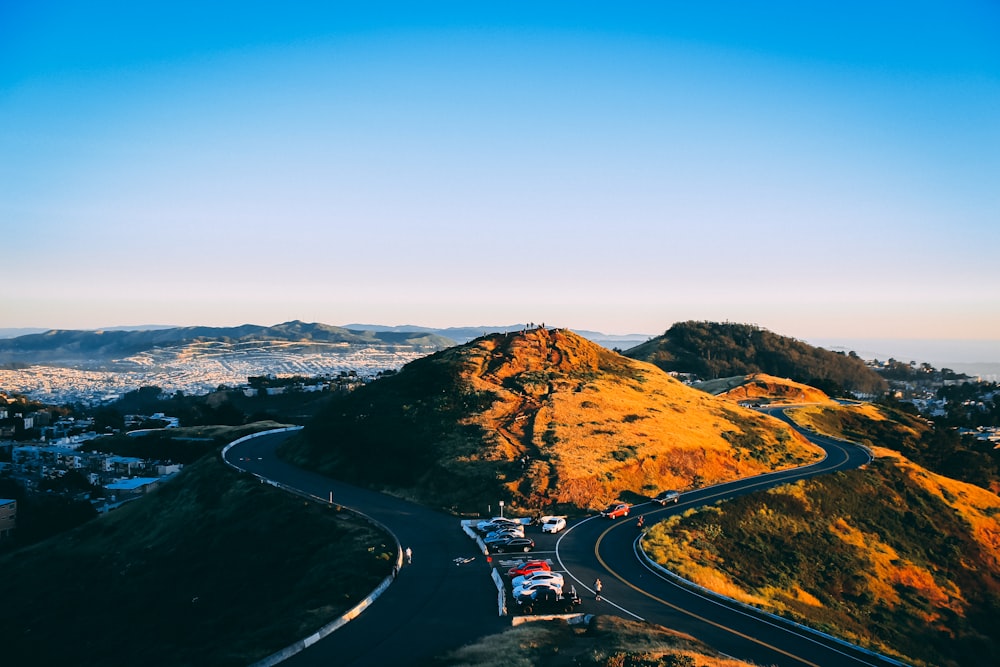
pixel 597 589
pixel 409 556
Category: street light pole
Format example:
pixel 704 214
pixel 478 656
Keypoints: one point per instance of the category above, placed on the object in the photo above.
pixel 501 509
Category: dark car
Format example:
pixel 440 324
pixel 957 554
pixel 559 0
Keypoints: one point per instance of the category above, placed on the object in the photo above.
pixel 513 544
pixel 667 497
pixel 496 523
pixel 500 536
pixel 545 600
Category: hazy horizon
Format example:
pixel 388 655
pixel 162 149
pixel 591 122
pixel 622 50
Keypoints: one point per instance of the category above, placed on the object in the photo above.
pixel 983 355
pixel 824 172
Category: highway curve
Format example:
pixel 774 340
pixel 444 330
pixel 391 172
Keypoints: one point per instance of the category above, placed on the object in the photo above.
pixel 434 605
pixel 431 607
pixel 596 548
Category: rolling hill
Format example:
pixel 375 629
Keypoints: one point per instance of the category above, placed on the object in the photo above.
pixel 713 350
pixel 543 418
pixel 763 388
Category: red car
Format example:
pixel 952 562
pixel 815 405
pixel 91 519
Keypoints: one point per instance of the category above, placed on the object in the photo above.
pixel 616 510
pixel 528 566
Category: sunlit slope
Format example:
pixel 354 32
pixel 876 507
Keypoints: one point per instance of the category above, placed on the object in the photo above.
pixel 540 418
pixel 893 556
pixel 764 389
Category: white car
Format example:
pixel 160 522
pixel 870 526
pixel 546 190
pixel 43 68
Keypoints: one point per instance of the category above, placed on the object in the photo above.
pixel 553 577
pixel 532 585
pixel 553 524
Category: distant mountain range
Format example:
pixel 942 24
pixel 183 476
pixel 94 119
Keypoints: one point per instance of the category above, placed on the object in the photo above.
pixel 465 334
pixel 975 358
pixel 74 346
pixel 105 345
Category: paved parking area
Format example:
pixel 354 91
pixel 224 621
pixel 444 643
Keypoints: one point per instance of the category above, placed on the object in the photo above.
pixel 501 563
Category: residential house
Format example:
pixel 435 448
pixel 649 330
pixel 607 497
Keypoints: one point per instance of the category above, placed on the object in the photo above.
pixel 136 486
pixel 8 517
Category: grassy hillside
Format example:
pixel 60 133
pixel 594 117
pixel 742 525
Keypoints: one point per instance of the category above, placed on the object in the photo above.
pixel 713 350
pixel 607 641
pixel 763 388
pixel 932 445
pixel 213 568
pixel 893 557
pixel 543 418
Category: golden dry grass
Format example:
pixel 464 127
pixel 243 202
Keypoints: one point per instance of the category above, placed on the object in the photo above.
pixel 603 424
pixel 915 578
pixel 979 507
pixel 774 390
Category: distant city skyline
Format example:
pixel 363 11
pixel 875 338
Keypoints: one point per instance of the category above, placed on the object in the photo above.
pixel 828 172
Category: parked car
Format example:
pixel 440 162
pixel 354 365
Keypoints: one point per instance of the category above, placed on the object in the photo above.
pixel 546 600
pixel 529 566
pixel 500 536
pixel 541 575
pixel 517 531
pixel 667 497
pixel 497 522
pixel 553 524
pixel 528 594
pixel 526 588
pixel 616 510
pixel 511 544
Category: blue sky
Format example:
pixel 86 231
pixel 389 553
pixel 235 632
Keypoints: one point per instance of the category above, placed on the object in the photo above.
pixel 827 169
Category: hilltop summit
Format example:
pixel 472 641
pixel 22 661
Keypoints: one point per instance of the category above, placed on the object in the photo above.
pixel 540 418
pixel 712 350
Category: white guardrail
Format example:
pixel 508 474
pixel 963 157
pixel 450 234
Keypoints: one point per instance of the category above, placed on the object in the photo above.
pixel 351 614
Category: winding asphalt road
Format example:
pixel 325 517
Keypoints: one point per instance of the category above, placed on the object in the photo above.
pixel 431 607
pixel 434 605
pixel 633 588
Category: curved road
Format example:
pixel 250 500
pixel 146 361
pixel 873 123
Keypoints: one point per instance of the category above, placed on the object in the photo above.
pixel 434 605
pixel 596 548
